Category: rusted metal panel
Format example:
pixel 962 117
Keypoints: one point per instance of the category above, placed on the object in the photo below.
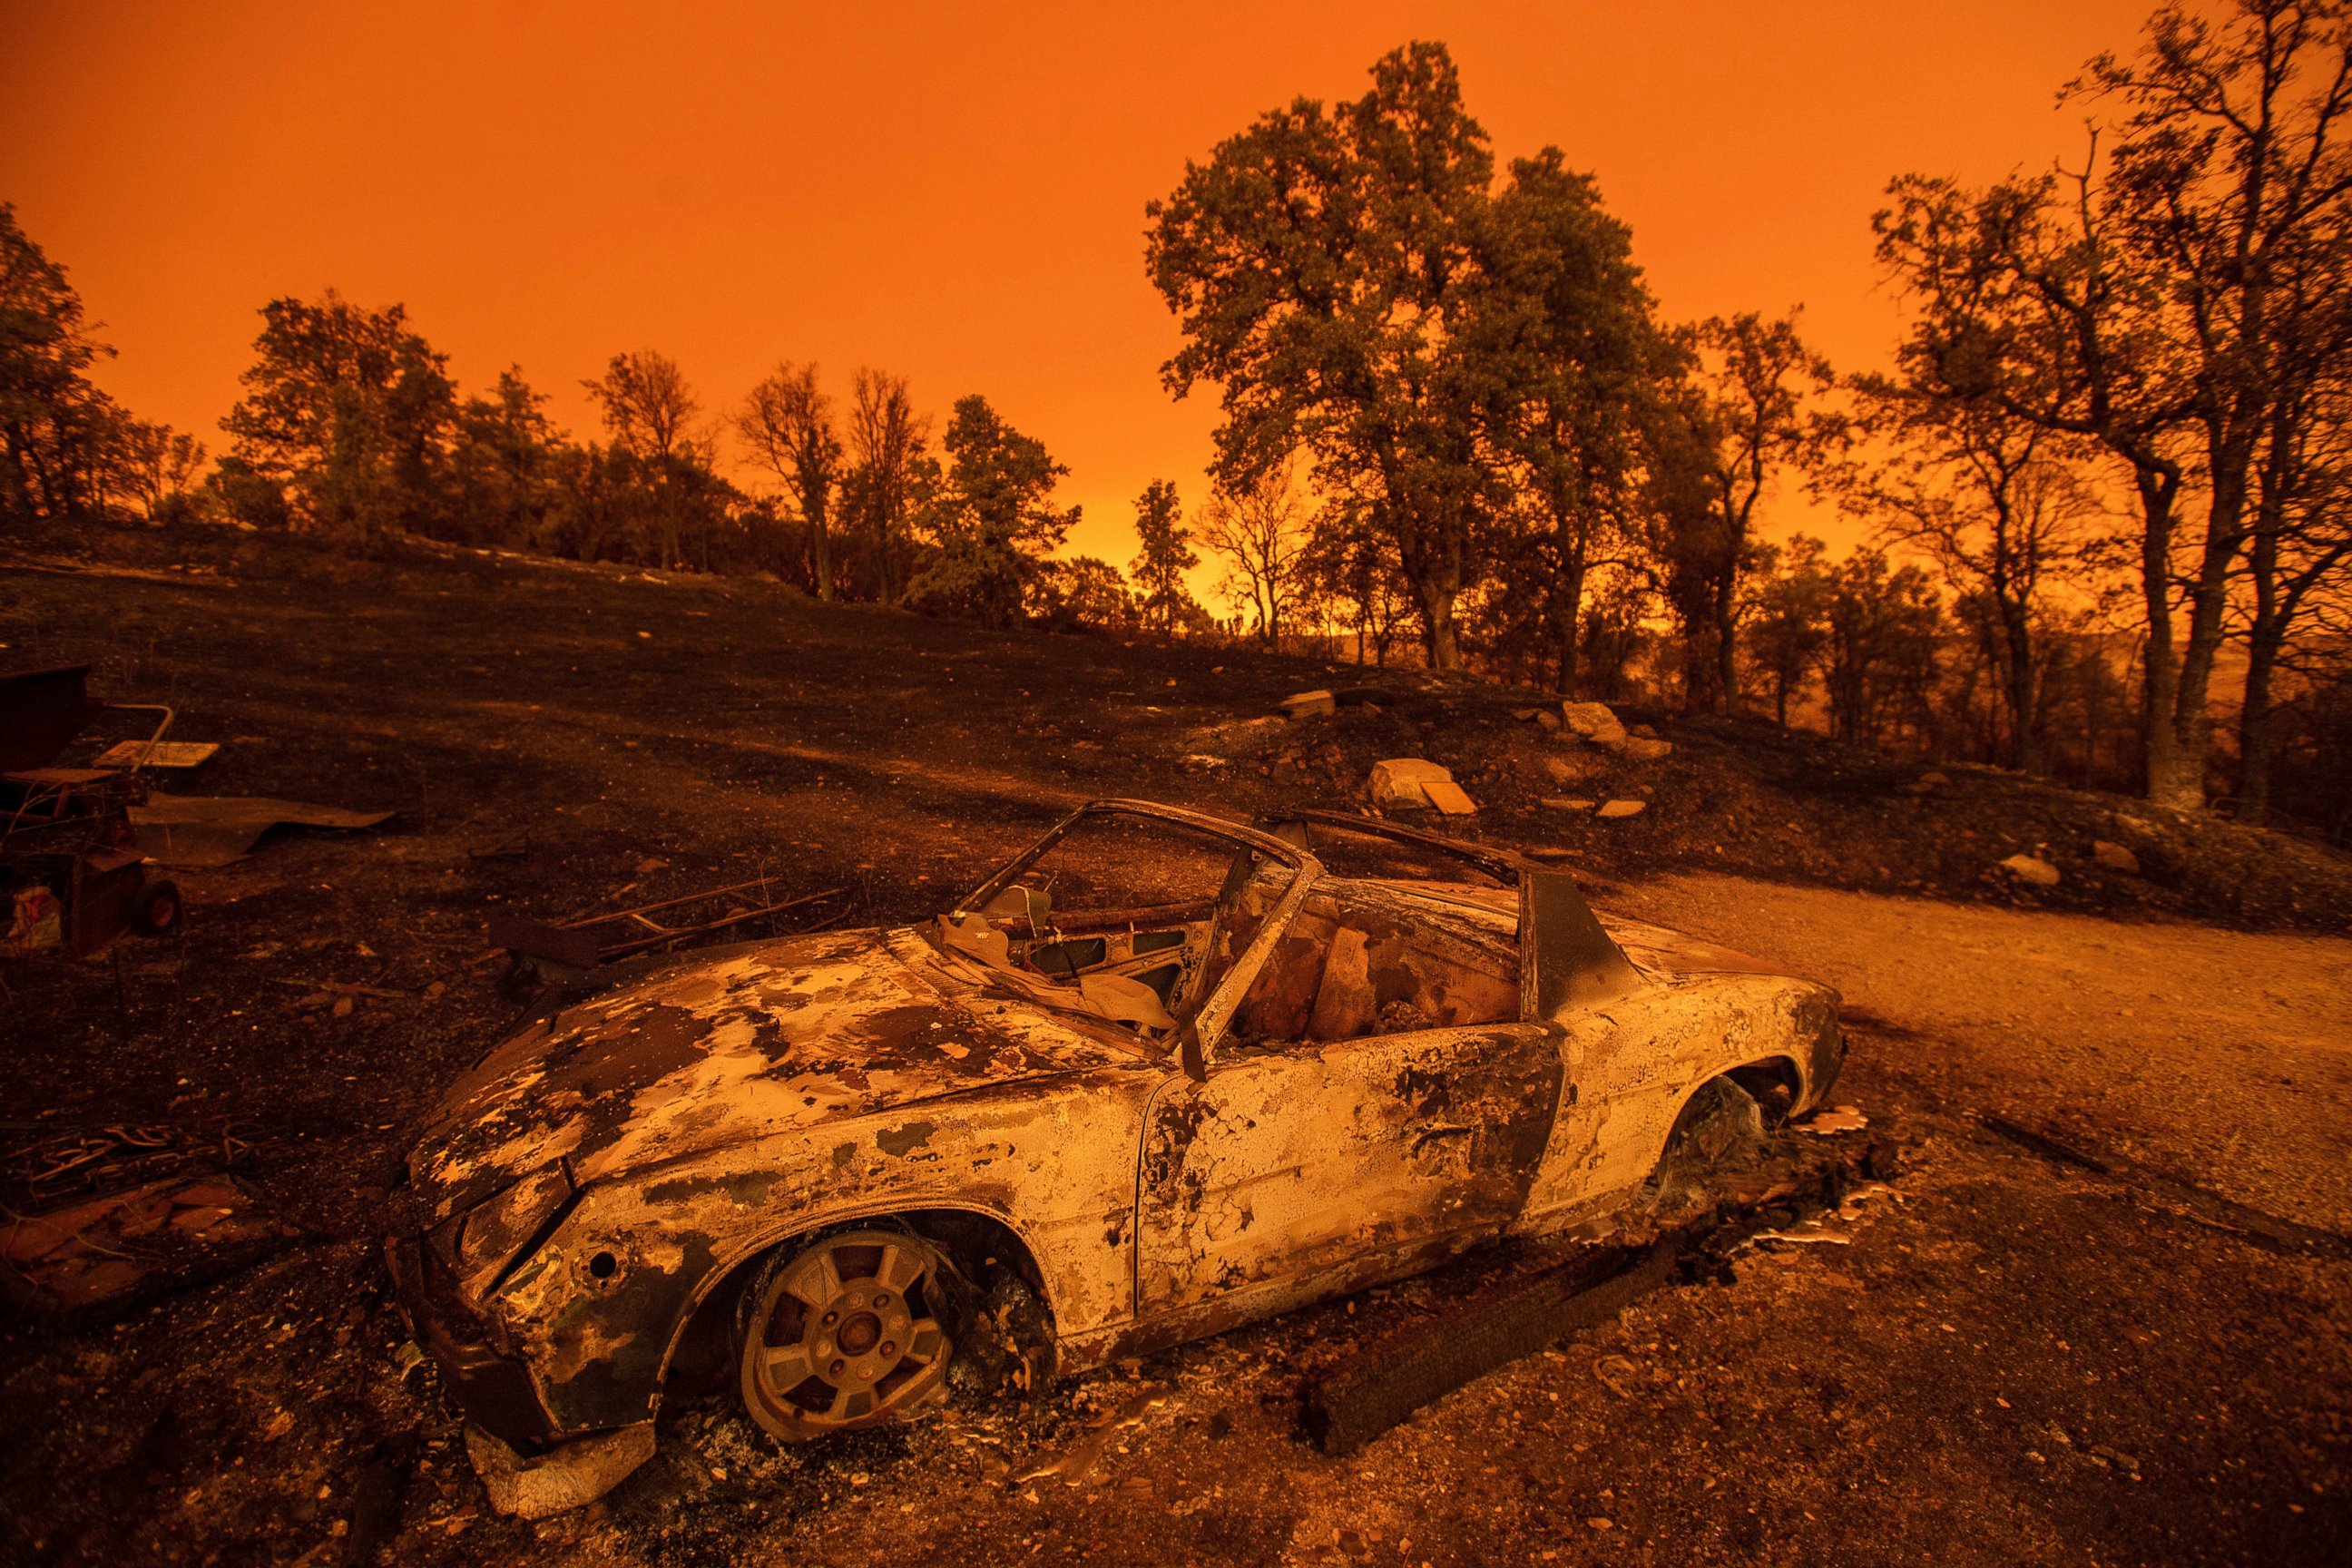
pixel 1295 1158
pixel 1573 963
pixel 1631 1065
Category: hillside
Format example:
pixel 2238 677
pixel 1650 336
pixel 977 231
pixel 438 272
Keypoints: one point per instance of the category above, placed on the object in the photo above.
pixel 561 740
pixel 470 691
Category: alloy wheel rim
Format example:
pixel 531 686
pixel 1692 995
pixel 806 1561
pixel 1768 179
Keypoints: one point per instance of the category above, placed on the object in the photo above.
pixel 846 1336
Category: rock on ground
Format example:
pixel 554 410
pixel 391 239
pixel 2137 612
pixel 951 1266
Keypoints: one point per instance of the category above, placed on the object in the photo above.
pixel 1403 782
pixel 2115 857
pixel 1595 723
pixel 2031 868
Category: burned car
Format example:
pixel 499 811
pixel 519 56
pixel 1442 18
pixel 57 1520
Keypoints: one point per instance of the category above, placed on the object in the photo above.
pixel 1160 1075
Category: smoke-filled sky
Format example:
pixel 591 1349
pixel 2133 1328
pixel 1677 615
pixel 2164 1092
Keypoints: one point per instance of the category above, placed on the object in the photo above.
pixel 953 191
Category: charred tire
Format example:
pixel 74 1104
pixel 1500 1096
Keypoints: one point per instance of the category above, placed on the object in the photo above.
pixel 156 910
pixel 844 1332
pixel 1721 1126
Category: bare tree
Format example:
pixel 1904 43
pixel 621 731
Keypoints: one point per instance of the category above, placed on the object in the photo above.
pixel 1997 503
pixel 159 464
pixel 647 404
pixel 788 424
pixel 2143 303
pixel 887 468
pixel 1261 532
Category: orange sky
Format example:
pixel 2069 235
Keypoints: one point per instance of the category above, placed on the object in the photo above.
pixel 953 191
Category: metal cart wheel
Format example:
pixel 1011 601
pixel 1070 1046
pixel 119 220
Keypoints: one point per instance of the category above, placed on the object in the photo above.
pixel 156 910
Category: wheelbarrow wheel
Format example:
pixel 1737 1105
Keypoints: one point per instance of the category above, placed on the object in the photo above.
pixel 156 910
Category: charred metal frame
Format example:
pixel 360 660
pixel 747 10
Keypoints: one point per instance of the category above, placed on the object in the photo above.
pixel 926 1092
pixel 1198 1029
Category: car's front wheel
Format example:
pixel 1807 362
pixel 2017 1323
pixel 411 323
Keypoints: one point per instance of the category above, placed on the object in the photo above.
pixel 844 1332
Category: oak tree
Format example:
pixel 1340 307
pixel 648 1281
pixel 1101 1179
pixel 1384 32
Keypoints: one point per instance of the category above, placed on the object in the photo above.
pixel 1319 264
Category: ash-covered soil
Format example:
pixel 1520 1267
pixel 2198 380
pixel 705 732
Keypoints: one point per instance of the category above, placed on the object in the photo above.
pixel 2017 1360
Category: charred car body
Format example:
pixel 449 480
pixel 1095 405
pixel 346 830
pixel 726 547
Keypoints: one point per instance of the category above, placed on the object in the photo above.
pixel 1166 1073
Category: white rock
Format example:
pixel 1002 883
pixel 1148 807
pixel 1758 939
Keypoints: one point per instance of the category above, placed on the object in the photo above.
pixel 2115 857
pixel 1592 720
pixel 1625 808
pixel 2027 868
pixel 1306 704
pixel 1401 780
pixel 1642 750
pixel 566 1476
pixel 1448 797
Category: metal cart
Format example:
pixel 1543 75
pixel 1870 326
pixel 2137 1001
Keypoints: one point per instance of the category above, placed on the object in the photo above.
pixel 71 875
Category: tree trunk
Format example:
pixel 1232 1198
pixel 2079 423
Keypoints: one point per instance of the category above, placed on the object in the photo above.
pixel 821 544
pixel 2257 729
pixel 1439 637
pixel 2176 773
pixel 2021 686
pixel 1569 609
pixel 1727 627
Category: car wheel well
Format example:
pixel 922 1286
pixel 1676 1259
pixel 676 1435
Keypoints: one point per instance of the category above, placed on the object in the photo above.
pixel 1774 1084
pixel 980 1248
pixel 1720 1122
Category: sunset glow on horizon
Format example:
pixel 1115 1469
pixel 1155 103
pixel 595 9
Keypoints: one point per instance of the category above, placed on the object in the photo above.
pixel 953 193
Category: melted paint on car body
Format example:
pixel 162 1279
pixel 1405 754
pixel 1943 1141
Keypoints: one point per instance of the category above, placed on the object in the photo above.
pixel 589 1184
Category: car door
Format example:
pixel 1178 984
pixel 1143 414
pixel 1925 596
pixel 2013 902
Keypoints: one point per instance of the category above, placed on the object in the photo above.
pixel 1326 1164
pixel 1351 1161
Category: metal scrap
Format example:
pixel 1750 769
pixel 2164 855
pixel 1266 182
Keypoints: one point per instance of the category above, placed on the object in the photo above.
pixel 1071 1466
pixel 103 1251
pixel 1387 1379
pixel 64 1161
pixel 216 830
pixel 584 943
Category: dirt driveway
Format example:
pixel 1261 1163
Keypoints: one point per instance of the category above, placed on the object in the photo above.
pixel 2219 1057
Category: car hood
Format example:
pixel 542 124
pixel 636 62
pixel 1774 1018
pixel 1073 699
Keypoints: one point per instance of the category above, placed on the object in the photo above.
pixel 710 1050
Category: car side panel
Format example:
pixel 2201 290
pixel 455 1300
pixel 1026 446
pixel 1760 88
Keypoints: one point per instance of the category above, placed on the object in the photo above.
pixel 1297 1160
pixel 1631 1063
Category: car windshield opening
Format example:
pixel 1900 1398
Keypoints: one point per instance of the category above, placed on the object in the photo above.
pixel 1126 916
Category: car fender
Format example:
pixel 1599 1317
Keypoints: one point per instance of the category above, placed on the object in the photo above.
pixel 1631 1064
pixel 1053 1164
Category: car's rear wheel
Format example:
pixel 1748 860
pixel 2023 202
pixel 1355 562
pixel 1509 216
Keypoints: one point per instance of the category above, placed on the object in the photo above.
pixel 1720 1128
pixel 846 1333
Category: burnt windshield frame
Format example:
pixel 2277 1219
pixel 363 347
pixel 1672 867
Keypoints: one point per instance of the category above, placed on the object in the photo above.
pixel 1199 1028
